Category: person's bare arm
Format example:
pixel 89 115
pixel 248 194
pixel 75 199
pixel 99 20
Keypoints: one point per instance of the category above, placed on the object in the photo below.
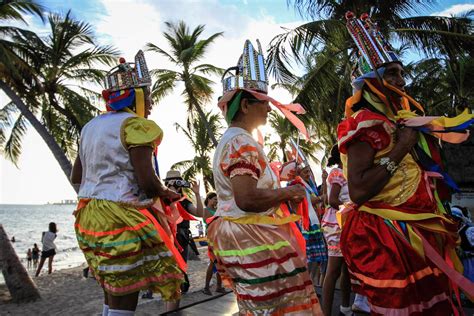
pixel 197 210
pixel 365 179
pixel 140 158
pixel 76 173
pixel 334 196
pixel 325 188
pixel 251 199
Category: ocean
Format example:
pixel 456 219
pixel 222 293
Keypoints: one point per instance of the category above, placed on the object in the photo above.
pixel 27 222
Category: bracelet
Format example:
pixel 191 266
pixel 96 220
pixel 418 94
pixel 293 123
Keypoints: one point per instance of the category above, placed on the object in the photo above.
pixel 389 164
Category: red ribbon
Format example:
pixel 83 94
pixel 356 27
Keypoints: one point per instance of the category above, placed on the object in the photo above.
pixel 166 239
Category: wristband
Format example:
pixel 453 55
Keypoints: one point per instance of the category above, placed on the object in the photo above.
pixel 389 164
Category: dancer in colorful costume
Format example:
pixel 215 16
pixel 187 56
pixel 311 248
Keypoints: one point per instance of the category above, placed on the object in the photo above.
pixel 260 252
pixel 337 194
pixel 316 250
pixel 398 242
pixel 122 241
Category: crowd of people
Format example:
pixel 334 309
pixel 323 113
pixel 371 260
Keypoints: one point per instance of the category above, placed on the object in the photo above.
pixel 379 221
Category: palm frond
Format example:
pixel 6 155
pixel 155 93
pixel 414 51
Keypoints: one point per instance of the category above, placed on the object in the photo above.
pixel 182 165
pixel 290 48
pixel 164 84
pixel 437 35
pixel 14 10
pixel 12 147
pixel 208 69
pixel 150 47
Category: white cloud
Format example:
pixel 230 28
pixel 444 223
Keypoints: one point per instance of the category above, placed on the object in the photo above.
pixel 455 10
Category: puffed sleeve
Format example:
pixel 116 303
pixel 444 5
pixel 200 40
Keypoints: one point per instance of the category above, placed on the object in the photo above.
pixel 364 126
pixel 241 157
pixel 138 131
pixel 336 177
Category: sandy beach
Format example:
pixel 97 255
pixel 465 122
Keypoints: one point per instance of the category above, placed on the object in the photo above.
pixel 68 292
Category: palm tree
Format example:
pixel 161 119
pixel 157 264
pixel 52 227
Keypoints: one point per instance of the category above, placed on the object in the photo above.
pixel 287 132
pixel 199 138
pixel 19 283
pixel 451 86
pixel 50 91
pixel 186 50
pixel 326 84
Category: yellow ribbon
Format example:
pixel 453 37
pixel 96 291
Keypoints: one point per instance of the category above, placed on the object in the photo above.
pixel 263 219
pixel 140 102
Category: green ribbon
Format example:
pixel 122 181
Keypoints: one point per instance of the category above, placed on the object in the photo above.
pixel 233 108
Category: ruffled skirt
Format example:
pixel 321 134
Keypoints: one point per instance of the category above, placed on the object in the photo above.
pixel 332 232
pixel 316 250
pixel 264 267
pixel 125 251
pixel 385 268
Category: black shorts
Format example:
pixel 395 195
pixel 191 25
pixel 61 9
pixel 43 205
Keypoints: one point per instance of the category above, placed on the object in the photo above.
pixel 48 253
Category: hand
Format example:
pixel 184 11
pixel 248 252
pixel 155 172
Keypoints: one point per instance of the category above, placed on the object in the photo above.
pixel 324 174
pixel 296 193
pixel 170 195
pixel 195 186
pixel 406 137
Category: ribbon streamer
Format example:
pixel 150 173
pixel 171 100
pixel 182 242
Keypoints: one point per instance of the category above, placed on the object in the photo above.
pixel 286 109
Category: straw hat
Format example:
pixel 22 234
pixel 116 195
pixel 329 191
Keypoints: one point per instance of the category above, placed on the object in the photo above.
pixel 173 174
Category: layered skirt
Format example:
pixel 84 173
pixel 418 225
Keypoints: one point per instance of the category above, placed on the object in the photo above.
pixel 316 250
pixel 265 268
pixel 123 247
pixel 332 232
pixel 385 268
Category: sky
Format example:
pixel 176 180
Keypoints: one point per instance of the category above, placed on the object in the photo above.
pixel 129 25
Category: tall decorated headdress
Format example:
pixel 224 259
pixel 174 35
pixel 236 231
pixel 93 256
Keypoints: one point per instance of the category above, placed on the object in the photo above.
pixel 124 84
pixel 374 49
pixel 374 52
pixel 250 75
pixel 250 72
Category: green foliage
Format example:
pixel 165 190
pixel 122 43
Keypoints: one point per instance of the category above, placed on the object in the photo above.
pixel 325 51
pixel 51 74
pixel 187 49
pixel 199 138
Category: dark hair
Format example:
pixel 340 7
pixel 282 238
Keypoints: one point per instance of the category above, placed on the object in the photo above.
pixel 52 227
pixel 209 196
pixel 334 156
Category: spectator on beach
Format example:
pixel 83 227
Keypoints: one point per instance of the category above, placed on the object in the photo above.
pixel 211 205
pixel 29 257
pixel 200 229
pixel 175 182
pixel 49 248
pixel 35 255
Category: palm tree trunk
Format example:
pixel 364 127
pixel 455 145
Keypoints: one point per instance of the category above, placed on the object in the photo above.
pixel 19 284
pixel 198 108
pixel 58 153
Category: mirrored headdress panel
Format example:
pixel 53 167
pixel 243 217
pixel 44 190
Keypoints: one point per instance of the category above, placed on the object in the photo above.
pixel 250 72
pixel 128 75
